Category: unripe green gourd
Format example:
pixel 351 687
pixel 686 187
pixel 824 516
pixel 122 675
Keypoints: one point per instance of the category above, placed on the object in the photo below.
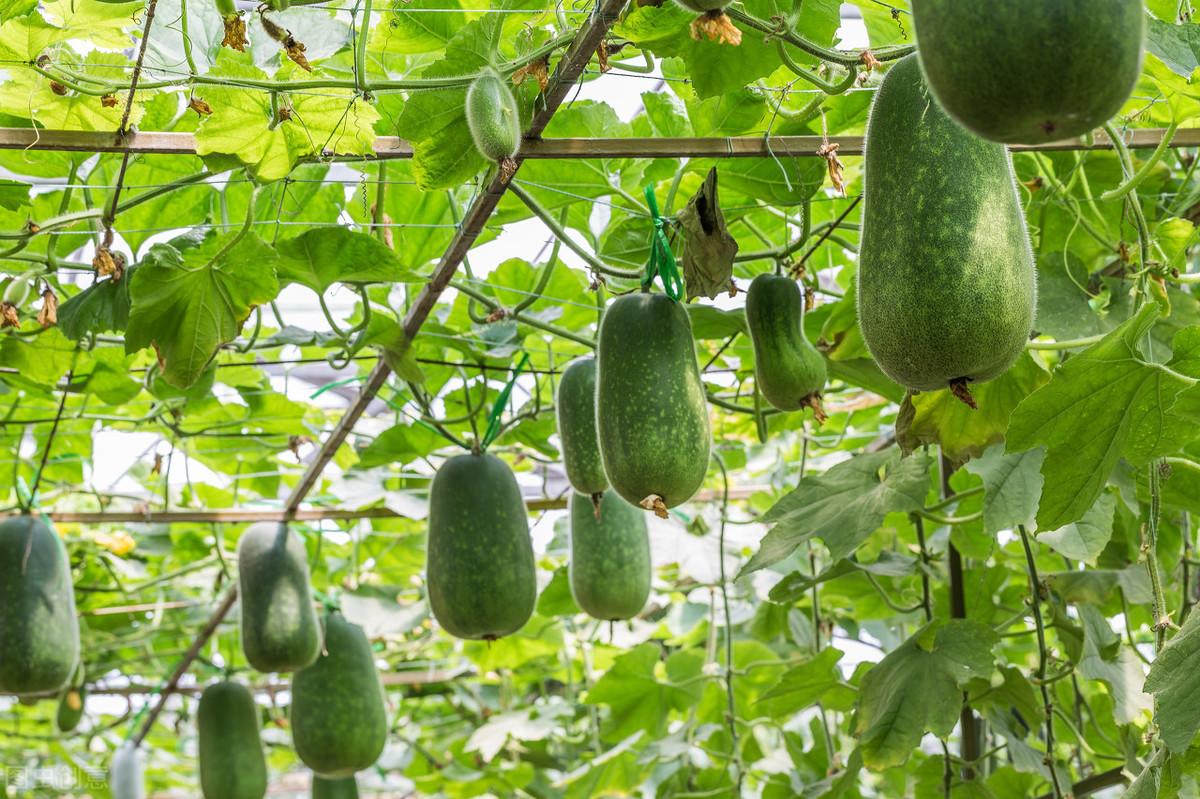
pixel 39 632
pixel 125 779
pixel 70 708
pixel 479 557
pixel 339 719
pixel 280 628
pixel 231 756
pixel 493 117
pixel 344 788
pixel 576 411
pixel 609 566
pixel 790 372
pixel 1030 71
pixel 651 407
pixel 946 286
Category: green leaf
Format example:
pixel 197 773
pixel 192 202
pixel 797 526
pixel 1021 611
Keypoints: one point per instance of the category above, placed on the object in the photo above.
pixel 187 304
pixel 400 444
pixel 938 417
pixel 843 505
pixel 100 308
pixel 243 124
pixel 556 598
pixel 1097 586
pixel 1012 484
pixel 917 688
pixel 320 257
pixel 1172 681
pixel 816 679
pixel 794 586
pixel 1106 659
pixel 637 697
pixel 1177 46
pixel 14 194
pixel 1105 403
pixel 1086 538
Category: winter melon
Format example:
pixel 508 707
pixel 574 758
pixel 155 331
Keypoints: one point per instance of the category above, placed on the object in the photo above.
pixel 493 117
pixel 790 372
pixel 609 565
pixel 1030 71
pixel 479 568
pixel 39 632
pixel 576 410
pixel 344 788
pixel 231 755
pixel 651 407
pixel 339 720
pixel 946 287
pixel 280 628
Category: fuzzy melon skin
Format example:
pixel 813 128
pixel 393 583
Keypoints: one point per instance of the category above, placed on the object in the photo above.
pixel 232 765
pixel 125 774
pixel 609 566
pixel 576 409
pixel 479 557
pixel 788 369
pixel 1030 71
pixel 651 408
pixel 344 788
pixel 339 719
pixel 493 117
pixel 280 628
pixel 703 6
pixel 39 631
pixel 946 284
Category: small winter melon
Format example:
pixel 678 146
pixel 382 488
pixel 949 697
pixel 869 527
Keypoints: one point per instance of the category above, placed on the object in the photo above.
pixel 493 117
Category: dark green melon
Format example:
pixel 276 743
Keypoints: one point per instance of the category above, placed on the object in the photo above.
pixel 493 116
pixel 232 765
pixel 479 568
pixel 280 628
pixel 610 557
pixel 339 720
pixel 344 788
pixel 651 407
pixel 1030 71
pixel 70 708
pixel 39 632
pixel 946 287
pixel 576 410
pixel 790 372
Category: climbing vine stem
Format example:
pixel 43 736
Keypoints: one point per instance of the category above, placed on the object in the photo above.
pixel 1035 604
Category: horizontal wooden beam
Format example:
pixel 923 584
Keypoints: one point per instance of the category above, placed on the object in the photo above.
pixel 391 147
pixel 243 516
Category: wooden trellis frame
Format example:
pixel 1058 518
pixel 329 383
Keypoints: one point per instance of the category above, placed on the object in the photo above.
pixel 390 148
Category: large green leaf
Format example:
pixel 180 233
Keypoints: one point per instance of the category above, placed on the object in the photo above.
pixel 843 505
pixel 917 688
pixel 321 257
pixel 187 304
pixel 1105 403
pixel 1172 681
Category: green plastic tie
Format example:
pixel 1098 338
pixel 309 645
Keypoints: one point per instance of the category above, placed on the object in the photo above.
pixel 662 261
pixel 493 428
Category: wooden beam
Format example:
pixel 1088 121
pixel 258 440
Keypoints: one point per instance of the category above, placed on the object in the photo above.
pixel 389 148
pixel 244 516
pixel 564 79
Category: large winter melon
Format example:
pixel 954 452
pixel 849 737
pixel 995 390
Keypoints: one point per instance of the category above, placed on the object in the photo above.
pixel 344 788
pixel 789 370
pixel 280 628
pixel 651 408
pixel 479 568
pixel 231 755
pixel 576 411
pixel 609 565
pixel 339 721
pixel 39 632
pixel 946 275
pixel 1030 71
